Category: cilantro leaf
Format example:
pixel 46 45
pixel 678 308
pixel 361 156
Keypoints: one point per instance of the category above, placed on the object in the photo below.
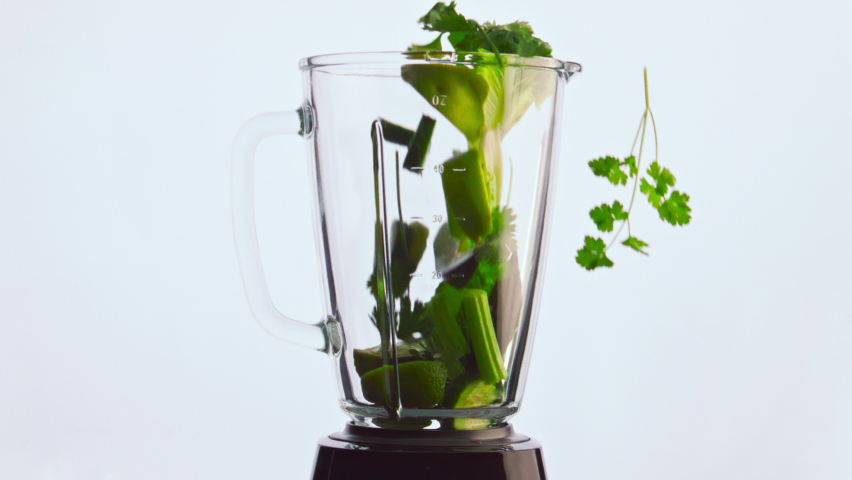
pixel 444 18
pixel 675 209
pixel 467 35
pixel 609 167
pixel 631 163
pixel 433 46
pixel 654 198
pixel 635 244
pixel 662 177
pixel 517 38
pixel 592 255
pixel 605 216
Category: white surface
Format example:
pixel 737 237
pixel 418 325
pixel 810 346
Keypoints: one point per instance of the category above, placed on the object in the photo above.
pixel 126 348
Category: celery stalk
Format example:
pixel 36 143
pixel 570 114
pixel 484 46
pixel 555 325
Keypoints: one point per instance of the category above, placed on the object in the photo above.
pixel 447 338
pixel 480 329
pixel 418 146
pixel 468 196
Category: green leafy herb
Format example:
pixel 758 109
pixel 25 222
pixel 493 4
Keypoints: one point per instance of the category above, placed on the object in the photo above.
pixel 467 35
pixel 605 216
pixel 610 168
pixel 672 207
pixel 593 254
pixel 635 244
pixel 675 209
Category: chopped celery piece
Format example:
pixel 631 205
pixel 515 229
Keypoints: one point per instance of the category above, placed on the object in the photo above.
pixel 480 329
pixel 395 133
pixel 467 194
pixel 447 339
pixel 407 250
pixel 457 91
pixel 418 146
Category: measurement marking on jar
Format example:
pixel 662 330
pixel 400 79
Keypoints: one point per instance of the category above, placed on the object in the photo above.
pixel 416 218
pixel 461 218
pixel 439 100
pixel 415 275
pixel 459 169
pixel 457 275
pixel 416 168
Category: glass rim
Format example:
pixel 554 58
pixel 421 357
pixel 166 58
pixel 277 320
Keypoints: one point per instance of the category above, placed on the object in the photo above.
pixel 390 58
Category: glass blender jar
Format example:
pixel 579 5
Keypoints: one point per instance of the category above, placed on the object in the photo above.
pixel 432 175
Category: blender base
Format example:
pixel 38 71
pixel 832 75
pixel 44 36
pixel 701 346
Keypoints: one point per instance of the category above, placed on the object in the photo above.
pixel 364 453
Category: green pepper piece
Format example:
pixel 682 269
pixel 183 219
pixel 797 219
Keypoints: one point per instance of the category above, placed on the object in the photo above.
pixel 447 339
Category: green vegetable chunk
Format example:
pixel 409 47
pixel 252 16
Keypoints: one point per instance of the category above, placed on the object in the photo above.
pixel 421 384
pixel 367 359
pixel 447 341
pixel 407 250
pixel 395 133
pixel 456 91
pixel 418 146
pixel 476 394
pixel 480 329
pixel 467 195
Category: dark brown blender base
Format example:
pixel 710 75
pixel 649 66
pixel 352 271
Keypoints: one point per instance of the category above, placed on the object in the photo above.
pixel 363 453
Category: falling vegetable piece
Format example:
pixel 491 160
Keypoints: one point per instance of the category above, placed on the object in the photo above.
pixel 418 146
pixel 395 133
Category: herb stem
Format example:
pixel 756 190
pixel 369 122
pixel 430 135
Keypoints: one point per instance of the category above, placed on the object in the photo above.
pixel 399 203
pixel 640 134
pixel 491 43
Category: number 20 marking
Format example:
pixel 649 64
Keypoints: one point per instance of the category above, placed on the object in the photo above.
pixel 439 100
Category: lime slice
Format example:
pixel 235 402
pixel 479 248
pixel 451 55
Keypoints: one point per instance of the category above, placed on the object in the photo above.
pixel 421 384
pixel 367 359
pixel 476 394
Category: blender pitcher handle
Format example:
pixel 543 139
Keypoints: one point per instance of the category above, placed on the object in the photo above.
pixel 245 232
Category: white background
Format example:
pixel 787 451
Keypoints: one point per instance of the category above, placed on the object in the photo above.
pixel 127 350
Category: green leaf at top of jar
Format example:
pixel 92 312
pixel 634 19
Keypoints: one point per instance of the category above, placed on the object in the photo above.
pixel 467 35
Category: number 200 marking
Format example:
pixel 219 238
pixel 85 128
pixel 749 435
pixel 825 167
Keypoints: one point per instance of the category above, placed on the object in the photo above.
pixel 439 100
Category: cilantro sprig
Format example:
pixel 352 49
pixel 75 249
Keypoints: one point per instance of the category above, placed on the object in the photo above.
pixel 466 35
pixel 671 205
